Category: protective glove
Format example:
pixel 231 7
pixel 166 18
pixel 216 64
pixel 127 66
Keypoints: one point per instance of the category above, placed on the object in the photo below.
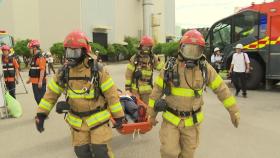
pixel 235 118
pixel 119 122
pixel 62 107
pixel 152 121
pixel 39 121
pixel 160 105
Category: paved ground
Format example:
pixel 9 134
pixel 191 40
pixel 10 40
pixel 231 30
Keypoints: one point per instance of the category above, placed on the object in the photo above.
pixel 257 137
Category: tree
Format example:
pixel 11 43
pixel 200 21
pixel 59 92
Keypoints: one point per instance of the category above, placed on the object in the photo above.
pixel 57 49
pixel 158 48
pixel 120 49
pixel 170 49
pixel 114 51
pixel 132 45
pixel 21 48
pixel 111 52
pixel 97 47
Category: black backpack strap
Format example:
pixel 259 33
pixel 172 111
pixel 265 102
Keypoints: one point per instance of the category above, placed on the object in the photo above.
pixel 204 71
pixel 95 77
pixel 135 79
pixel 168 76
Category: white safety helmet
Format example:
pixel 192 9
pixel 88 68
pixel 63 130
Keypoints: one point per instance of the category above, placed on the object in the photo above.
pixel 216 49
pixel 239 46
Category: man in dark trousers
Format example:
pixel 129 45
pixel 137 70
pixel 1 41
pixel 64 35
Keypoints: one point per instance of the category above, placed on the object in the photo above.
pixel 50 64
pixel 240 65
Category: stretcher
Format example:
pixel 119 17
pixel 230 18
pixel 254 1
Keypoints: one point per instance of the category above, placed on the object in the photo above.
pixel 141 126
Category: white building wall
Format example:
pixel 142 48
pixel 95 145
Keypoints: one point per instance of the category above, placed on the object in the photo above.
pixel 20 18
pixel 169 18
pixel 129 19
pixel 6 16
pixel 96 13
pixel 56 21
pixel 49 23
pixel 26 19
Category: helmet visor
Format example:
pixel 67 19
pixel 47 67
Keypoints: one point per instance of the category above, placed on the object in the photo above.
pixel 73 53
pixel 191 51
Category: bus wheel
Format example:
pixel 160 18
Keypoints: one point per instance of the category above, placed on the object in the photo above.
pixel 255 77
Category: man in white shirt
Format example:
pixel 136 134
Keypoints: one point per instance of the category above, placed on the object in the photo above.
pixel 50 63
pixel 240 65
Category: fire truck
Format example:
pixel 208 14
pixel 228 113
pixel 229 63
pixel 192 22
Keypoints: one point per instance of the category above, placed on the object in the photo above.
pixel 257 27
pixel 5 38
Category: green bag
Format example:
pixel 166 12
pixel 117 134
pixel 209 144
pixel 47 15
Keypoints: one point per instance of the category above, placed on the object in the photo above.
pixel 13 106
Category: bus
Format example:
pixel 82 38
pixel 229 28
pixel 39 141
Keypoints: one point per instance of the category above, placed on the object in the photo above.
pixel 257 27
pixel 7 39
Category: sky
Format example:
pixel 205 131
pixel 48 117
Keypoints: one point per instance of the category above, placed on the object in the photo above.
pixel 204 13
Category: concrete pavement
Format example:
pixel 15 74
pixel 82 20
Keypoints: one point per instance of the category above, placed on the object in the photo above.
pixel 258 135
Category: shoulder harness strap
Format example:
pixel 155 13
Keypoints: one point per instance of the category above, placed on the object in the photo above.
pixel 95 78
pixel 168 75
pixel 204 71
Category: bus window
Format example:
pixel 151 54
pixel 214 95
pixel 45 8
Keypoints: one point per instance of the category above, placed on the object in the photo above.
pixel 245 25
pixel 6 39
pixel 263 25
pixel 221 34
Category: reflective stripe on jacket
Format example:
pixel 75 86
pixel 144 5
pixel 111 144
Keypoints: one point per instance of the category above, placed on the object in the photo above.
pixel 82 100
pixel 183 98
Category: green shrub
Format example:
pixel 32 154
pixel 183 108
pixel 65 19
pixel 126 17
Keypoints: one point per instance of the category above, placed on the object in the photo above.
pixel 168 49
pixel 57 49
pixel 158 48
pixel 120 49
pixel 132 45
pixel 111 50
pixel 97 47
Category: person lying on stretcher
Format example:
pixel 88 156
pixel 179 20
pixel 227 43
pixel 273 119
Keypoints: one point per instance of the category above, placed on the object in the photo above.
pixel 129 105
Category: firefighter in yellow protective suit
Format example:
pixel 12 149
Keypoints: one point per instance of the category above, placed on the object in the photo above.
pixel 139 72
pixel 91 99
pixel 183 81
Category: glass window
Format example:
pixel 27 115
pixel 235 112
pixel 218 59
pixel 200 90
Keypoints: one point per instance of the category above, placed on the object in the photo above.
pixel 208 51
pixel 222 34
pixel 245 25
pixel 263 25
pixel 5 39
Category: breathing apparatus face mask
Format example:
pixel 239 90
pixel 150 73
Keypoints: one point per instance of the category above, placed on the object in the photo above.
pixel 190 54
pixel 146 50
pixel 74 56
